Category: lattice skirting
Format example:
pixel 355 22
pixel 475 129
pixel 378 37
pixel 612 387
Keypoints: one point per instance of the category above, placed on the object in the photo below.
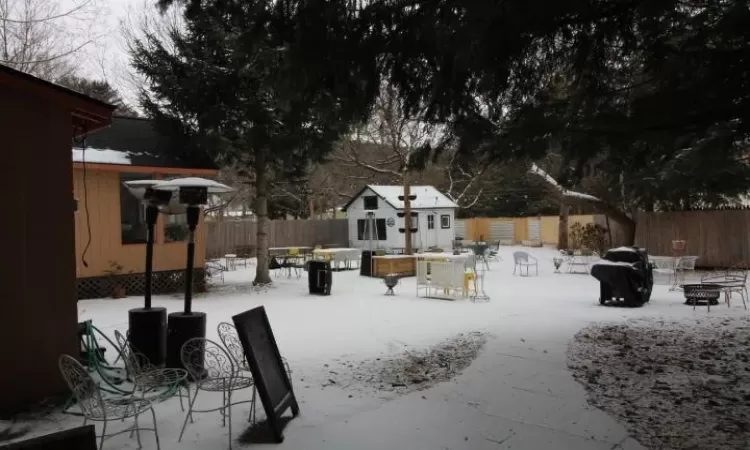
pixel 163 282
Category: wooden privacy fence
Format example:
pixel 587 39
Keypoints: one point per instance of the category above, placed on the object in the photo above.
pixel 718 238
pixel 224 237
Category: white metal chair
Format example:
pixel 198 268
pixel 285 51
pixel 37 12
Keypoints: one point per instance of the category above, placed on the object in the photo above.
pixel 213 370
pixel 98 408
pixel 523 259
pixel 734 282
pixel 494 252
pixel 228 336
pixel 162 382
pixel 683 265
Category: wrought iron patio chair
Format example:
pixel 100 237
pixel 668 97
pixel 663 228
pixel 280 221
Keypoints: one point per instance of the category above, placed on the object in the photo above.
pixel 213 370
pixel 494 252
pixel 683 265
pixel 523 259
pixel 214 270
pixel 231 340
pixel 734 282
pixel 99 408
pixel 156 383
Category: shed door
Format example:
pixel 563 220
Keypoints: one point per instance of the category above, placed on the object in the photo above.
pixel 535 230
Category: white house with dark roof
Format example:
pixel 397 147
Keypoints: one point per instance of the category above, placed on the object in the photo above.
pixel 433 216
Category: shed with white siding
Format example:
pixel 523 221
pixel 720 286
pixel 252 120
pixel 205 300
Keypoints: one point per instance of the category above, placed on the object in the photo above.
pixel 434 217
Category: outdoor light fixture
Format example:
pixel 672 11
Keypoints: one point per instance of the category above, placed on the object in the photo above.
pixel 147 326
pixel 193 193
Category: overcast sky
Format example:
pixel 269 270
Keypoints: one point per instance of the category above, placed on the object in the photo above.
pixel 106 57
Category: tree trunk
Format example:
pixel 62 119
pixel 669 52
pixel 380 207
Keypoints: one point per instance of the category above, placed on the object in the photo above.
pixel 562 232
pixel 311 205
pixel 407 214
pixel 262 274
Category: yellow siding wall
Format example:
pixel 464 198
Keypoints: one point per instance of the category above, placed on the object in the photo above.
pixel 103 197
pixel 479 228
pixel 551 225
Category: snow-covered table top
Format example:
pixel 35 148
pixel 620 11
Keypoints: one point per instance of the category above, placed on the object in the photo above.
pixel 394 257
pixel 445 256
pixel 284 249
pixel 334 250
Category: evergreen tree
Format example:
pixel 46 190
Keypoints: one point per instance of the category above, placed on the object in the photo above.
pixel 230 87
pixel 100 90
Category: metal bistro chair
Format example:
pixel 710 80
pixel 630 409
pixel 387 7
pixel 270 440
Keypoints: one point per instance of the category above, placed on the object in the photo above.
pixel 214 270
pixel 683 265
pixel 148 379
pixel 213 370
pixel 231 340
pixel 523 259
pixel 731 282
pixel 98 408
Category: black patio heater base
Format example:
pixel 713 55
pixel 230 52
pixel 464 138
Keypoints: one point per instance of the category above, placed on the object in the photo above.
pixel 182 327
pixel 147 333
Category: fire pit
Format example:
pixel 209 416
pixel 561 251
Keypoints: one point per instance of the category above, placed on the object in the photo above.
pixel 701 294
pixel 391 280
pixel 557 261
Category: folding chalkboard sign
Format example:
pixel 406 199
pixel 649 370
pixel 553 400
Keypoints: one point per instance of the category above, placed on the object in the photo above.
pixel 267 367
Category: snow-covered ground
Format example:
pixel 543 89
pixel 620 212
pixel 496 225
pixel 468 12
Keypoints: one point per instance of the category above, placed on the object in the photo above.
pixel 517 394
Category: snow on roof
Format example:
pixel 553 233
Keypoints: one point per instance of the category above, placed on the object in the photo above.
pixel 551 181
pixel 427 197
pixel 102 156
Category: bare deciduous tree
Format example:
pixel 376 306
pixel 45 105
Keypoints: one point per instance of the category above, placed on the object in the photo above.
pixel 40 37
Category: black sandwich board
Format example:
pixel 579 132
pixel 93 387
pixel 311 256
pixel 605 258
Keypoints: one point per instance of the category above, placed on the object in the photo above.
pixel 79 438
pixel 267 367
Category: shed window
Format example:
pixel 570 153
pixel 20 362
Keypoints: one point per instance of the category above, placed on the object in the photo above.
pixel 430 222
pixel 132 211
pixel 445 221
pixel 380 229
pixel 371 202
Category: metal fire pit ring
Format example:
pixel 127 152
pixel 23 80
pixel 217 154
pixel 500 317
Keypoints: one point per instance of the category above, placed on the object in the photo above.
pixel 701 294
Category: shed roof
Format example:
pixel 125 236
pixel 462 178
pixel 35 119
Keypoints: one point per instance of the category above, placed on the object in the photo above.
pixel 428 197
pixel 88 113
pixel 134 142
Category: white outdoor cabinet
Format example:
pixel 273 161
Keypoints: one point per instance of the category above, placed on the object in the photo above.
pixel 434 217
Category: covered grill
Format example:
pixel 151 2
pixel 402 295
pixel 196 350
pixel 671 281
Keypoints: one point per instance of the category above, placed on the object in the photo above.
pixel 625 276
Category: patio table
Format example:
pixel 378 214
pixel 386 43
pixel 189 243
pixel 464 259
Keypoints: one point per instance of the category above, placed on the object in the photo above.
pixel 277 250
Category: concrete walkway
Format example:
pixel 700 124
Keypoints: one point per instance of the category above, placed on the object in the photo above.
pixel 516 395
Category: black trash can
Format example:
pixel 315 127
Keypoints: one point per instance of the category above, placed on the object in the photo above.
pixel 365 265
pixel 319 277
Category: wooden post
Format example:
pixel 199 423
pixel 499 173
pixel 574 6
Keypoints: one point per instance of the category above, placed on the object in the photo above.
pixel 407 214
pixel 562 232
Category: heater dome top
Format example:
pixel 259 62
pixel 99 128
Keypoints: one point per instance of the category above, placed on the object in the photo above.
pixel 213 187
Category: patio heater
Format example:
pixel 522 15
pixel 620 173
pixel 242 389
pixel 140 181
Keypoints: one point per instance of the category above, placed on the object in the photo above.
pixel 188 324
pixel 147 326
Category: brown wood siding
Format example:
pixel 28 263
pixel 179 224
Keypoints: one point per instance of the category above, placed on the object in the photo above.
pixel 103 195
pixel 37 281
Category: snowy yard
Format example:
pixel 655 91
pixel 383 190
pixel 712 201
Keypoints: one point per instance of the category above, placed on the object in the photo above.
pixel 518 393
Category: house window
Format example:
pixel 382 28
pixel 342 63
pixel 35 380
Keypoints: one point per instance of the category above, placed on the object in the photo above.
pixel 445 221
pixel 379 234
pixel 430 222
pixel 175 228
pixel 132 212
pixel 371 202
